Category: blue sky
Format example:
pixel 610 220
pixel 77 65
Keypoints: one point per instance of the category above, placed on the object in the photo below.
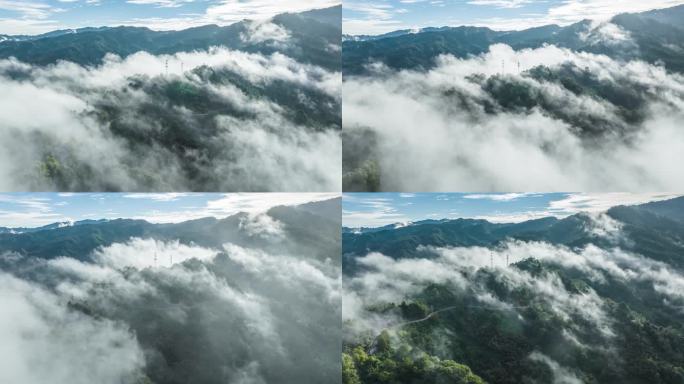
pixel 37 209
pixel 39 16
pixel 380 16
pixel 378 209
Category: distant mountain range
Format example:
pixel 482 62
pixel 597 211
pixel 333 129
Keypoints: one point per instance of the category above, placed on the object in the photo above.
pixel 305 225
pixel 4 230
pixel 657 231
pixel 312 32
pixel 658 37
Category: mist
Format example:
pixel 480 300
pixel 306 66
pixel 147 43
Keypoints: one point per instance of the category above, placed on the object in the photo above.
pixel 219 120
pixel 547 310
pixel 585 122
pixel 169 311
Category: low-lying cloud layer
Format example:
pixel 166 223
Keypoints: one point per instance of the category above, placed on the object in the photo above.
pixel 535 119
pixel 172 313
pixel 577 294
pixel 44 342
pixel 218 120
pixel 389 280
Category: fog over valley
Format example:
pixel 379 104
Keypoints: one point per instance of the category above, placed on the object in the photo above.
pixel 593 297
pixel 251 298
pixel 254 106
pixel 591 106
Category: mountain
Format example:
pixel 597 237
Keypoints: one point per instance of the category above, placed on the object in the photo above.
pixel 49 226
pixel 656 230
pixel 253 106
pixel 672 16
pixel 331 16
pixel 311 33
pixel 390 226
pixel 304 226
pixel 672 209
pixel 584 299
pixel 252 297
pixel 48 35
pixel 657 36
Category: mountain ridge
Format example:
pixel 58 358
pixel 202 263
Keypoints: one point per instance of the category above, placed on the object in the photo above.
pixel 312 30
pixel 652 31
pixel 303 224
pixel 646 223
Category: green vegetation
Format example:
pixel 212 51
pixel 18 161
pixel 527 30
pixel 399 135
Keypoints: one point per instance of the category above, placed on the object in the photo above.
pixel 544 321
pixel 401 365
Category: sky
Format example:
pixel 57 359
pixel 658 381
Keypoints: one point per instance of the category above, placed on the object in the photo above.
pixel 372 17
pixel 377 209
pixel 30 210
pixel 39 16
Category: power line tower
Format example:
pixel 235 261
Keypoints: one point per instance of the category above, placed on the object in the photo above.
pixel 491 260
pixel 167 67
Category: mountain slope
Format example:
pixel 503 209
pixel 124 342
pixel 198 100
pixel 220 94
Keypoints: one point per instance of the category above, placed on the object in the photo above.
pixel 311 32
pixel 655 229
pixel 657 37
pixel 585 299
pixel 301 227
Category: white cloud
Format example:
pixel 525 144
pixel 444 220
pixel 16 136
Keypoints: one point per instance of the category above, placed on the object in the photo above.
pixel 575 10
pixel 149 253
pixel 230 204
pixel 561 375
pixel 229 11
pixel 386 280
pixel 265 146
pixel 501 3
pixel 23 210
pixel 44 341
pixel 161 3
pixel 373 18
pixel 497 196
pixel 371 27
pixel 565 12
pixel 591 203
pixel 262 226
pixel 374 212
pixel 157 196
pixel 600 202
pixel 255 310
pixel 261 31
pixel 466 148
pixel 37 16
pixel 28 9
pixel 514 217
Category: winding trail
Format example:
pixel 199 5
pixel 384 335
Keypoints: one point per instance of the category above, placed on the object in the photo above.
pixel 432 314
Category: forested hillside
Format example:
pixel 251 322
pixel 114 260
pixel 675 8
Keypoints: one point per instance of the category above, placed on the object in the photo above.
pixel 592 298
